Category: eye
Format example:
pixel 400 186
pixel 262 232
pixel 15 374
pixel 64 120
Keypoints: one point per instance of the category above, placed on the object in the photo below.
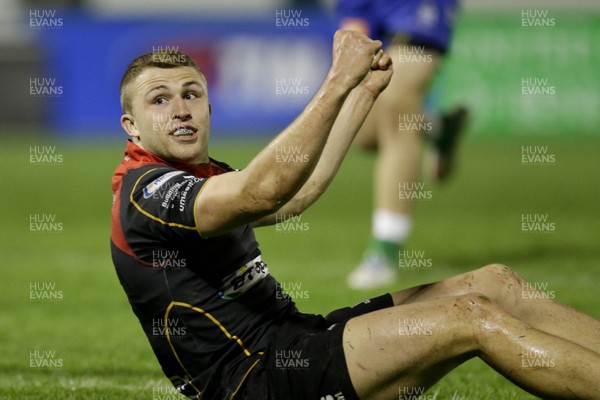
pixel 159 100
pixel 190 96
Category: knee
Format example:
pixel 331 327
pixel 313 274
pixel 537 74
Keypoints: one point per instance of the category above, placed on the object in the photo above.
pixel 481 319
pixel 472 303
pixel 499 274
pixel 477 311
pixel 496 268
pixel 472 309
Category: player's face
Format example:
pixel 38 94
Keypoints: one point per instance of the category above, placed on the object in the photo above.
pixel 170 114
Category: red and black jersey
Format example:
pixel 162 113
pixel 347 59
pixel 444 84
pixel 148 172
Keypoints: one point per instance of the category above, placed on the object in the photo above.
pixel 207 305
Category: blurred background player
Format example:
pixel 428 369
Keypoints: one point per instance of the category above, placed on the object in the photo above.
pixel 416 34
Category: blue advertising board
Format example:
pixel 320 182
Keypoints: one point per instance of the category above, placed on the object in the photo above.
pixel 260 72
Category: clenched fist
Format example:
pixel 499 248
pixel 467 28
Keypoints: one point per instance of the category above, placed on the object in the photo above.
pixel 377 79
pixel 354 55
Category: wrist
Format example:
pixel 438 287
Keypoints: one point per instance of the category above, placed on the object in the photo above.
pixel 339 83
pixel 366 92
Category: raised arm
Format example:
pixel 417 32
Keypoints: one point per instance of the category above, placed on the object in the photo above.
pixel 237 198
pixel 346 126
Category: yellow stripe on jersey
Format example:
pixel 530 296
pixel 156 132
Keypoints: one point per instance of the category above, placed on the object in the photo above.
pixel 209 316
pixel 147 214
pixel 219 325
pixel 196 208
pixel 244 378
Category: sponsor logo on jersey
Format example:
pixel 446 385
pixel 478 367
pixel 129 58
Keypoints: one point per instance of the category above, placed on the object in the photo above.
pixel 243 279
pixel 337 396
pixel 156 184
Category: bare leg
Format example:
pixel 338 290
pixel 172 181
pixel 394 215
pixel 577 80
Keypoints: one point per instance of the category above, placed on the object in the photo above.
pixel 512 293
pixel 399 160
pixel 406 349
pixel 396 125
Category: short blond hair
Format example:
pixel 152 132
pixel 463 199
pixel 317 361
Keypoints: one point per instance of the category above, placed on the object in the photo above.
pixel 162 58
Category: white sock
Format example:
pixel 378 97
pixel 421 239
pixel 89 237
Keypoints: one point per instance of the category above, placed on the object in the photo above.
pixel 391 226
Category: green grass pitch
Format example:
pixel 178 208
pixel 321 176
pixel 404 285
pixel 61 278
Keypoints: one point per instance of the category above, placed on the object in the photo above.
pixel 85 343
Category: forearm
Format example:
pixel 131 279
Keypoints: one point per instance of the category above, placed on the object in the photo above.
pixel 278 172
pixel 344 130
pixel 274 176
pixel 346 126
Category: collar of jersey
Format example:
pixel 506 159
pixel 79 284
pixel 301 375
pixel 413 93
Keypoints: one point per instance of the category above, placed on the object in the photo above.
pixel 140 156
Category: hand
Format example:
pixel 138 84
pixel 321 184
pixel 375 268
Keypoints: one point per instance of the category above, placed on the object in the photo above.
pixel 355 24
pixel 354 55
pixel 378 78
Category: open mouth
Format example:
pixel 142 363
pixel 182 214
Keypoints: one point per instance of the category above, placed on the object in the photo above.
pixel 183 131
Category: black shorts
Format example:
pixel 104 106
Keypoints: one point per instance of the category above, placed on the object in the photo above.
pixel 305 359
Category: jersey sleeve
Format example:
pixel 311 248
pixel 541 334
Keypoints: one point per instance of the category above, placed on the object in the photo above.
pixel 162 201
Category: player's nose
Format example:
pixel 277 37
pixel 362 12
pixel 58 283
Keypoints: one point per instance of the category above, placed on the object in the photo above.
pixel 180 109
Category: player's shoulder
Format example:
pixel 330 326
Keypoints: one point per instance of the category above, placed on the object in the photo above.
pixel 148 178
pixel 151 178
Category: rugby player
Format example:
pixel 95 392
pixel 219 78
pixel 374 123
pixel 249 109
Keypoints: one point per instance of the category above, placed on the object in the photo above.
pixel 219 324
pixel 416 34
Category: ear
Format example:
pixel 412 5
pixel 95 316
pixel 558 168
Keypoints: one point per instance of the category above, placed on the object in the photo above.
pixel 128 124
